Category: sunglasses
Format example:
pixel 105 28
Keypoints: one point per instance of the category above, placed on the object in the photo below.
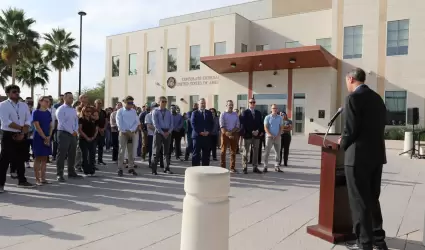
pixel 163 101
pixel 130 103
pixel 252 102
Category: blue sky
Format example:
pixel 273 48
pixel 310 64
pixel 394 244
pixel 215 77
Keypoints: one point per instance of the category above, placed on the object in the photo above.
pixel 104 17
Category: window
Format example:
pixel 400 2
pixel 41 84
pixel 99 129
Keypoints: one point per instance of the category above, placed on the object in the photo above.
pixel 353 42
pixel 216 102
pixel 220 48
pixel 398 37
pixel 293 44
pixel 132 64
pixel 195 57
pixel 171 101
pixel 172 60
pixel 244 48
pixel 193 99
pixel 115 66
pixel 150 99
pixel 396 107
pixel 151 62
pixel 325 43
pixel 242 102
pixel 262 47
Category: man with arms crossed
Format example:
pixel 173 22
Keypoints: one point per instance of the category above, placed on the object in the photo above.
pixel 273 125
pixel 163 123
pixel 364 146
pixel 67 138
pixel 128 125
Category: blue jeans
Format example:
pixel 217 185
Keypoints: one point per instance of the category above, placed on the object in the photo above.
pixel 108 138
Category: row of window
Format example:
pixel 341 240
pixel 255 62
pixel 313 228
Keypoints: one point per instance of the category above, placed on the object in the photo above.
pixel 397 39
pixel 397 44
pixel 195 56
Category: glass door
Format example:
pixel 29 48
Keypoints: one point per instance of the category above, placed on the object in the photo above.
pixel 299 114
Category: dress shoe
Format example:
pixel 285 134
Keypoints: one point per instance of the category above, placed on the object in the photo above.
pixel 245 170
pixel 257 171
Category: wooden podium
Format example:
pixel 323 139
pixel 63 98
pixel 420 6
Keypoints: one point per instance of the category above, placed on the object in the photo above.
pixel 335 223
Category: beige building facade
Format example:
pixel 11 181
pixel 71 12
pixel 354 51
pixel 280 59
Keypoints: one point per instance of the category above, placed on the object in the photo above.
pixel 268 50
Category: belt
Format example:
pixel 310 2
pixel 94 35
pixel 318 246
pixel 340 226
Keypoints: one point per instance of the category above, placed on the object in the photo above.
pixel 10 132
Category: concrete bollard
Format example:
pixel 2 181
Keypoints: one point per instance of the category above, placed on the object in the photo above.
pixel 205 223
pixel 408 142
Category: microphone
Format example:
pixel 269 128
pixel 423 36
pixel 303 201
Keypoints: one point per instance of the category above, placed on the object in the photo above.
pixel 335 116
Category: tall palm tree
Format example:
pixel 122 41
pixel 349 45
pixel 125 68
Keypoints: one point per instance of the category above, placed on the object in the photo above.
pixel 33 71
pixel 60 52
pixel 17 39
pixel 5 73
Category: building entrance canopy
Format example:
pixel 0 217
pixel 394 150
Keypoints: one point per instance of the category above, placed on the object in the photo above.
pixel 290 58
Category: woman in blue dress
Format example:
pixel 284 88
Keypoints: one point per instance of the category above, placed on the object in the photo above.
pixel 42 121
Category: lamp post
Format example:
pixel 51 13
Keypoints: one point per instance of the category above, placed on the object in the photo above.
pixel 81 13
pixel 44 90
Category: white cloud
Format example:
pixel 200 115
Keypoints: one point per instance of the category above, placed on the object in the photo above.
pixel 104 17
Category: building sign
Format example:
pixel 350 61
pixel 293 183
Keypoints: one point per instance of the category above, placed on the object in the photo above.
pixel 192 81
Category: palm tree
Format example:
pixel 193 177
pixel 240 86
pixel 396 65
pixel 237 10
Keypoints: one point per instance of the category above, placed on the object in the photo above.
pixel 60 52
pixel 17 39
pixel 5 73
pixel 33 71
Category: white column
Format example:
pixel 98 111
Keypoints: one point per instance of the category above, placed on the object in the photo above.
pixel 205 223
pixel 408 142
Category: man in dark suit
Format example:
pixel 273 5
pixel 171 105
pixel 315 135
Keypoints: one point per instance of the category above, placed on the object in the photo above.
pixel 189 145
pixel 202 123
pixel 252 129
pixel 364 146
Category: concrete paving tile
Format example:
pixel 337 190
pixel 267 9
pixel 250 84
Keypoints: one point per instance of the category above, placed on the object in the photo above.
pixel 172 243
pixel 11 235
pixel 416 237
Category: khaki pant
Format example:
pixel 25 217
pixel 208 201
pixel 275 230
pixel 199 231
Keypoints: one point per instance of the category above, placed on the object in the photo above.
pixel 144 143
pixel 248 143
pixel 275 143
pixel 126 146
pixel 225 143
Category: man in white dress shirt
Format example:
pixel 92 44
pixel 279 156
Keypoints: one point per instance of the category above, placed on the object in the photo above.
pixel 15 123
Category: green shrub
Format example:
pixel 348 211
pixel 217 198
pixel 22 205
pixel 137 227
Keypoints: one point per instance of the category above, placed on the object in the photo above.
pixel 397 133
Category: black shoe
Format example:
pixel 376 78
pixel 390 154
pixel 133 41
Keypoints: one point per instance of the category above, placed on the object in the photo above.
pixel 257 171
pixel 381 247
pixel 168 171
pixel 80 170
pixel 265 170
pixel 60 179
pixel 95 168
pixel 120 173
pixel 132 171
pixel 245 170
pixel 101 163
pixel 74 176
pixel 355 246
pixel 277 169
pixel 25 185
pixel 154 172
pixel 135 166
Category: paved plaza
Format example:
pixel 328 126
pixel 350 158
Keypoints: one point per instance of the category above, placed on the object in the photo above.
pixel 268 212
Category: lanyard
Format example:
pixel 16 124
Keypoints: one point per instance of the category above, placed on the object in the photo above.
pixel 16 108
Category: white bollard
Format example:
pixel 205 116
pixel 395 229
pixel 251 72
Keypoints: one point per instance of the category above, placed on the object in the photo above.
pixel 423 238
pixel 408 142
pixel 205 223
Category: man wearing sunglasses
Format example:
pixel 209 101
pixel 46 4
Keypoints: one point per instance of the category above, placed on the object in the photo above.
pixel 252 130
pixel 15 123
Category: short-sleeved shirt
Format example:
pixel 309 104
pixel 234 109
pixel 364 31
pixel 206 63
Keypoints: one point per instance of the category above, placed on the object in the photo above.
pixel 273 123
pixel 88 126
